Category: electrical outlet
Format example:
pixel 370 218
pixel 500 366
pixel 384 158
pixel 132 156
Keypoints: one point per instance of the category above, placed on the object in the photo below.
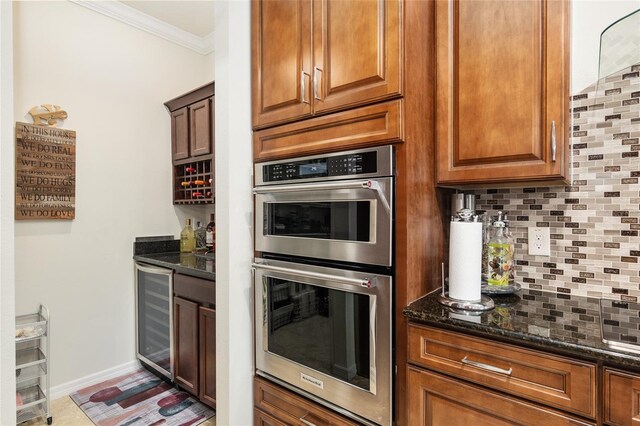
pixel 539 241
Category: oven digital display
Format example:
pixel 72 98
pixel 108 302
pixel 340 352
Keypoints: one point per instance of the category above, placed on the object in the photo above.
pixel 330 166
pixel 312 170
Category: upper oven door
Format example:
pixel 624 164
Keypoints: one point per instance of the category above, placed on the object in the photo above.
pixel 348 220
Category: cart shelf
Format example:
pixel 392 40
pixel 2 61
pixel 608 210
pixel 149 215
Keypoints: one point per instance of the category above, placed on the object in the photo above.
pixel 32 366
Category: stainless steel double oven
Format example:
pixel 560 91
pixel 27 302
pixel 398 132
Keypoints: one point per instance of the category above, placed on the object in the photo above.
pixel 324 284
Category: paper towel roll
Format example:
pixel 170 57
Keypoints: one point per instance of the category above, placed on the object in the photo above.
pixel 465 260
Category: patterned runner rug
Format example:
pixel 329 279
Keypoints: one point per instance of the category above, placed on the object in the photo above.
pixel 140 398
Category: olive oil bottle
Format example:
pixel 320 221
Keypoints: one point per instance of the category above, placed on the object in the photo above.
pixel 187 238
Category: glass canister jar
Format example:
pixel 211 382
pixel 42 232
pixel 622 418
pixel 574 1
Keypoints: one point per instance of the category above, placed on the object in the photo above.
pixel 500 254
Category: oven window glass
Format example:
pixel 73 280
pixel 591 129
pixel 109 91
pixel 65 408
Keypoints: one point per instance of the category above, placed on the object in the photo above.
pixel 322 329
pixel 340 220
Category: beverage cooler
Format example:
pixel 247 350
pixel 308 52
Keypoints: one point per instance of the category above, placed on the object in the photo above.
pixel 154 318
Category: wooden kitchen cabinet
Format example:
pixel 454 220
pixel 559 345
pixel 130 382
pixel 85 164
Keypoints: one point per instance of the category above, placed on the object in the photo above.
pixel 275 405
pixel 201 127
pixel 502 91
pixel 560 382
pixel 185 348
pixel 489 382
pixel 437 400
pixel 621 398
pixel 320 56
pixel 207 364
pixel 383 93
pixel 180 134
pixel 192 147
pixel 194 337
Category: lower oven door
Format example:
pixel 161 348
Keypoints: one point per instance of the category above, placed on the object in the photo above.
pixel 348 220
pixel 327 332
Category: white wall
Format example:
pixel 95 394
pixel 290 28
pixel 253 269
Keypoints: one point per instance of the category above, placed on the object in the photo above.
pixel 234 306
pixel 210 65
pixel 7 275
pixel 112 80
pixel 589 19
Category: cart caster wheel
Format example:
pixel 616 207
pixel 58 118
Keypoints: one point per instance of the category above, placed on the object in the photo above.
pixel 49 420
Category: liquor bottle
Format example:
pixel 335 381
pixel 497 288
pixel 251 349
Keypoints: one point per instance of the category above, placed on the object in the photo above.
pixel 201 238
pixel 211 234
pixel 187 238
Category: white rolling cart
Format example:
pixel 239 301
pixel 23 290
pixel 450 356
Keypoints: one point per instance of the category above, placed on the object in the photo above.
pixel 32 366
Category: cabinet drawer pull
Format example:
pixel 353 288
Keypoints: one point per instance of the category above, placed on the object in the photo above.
pixel 306 422
pixel 316 79
pixel 303 88
pixel 487 367
pixel 553 141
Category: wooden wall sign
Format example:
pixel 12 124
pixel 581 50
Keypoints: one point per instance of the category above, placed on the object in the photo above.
pixel 45 172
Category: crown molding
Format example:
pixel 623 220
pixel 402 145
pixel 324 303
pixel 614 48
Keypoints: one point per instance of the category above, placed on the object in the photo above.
pixel 133 17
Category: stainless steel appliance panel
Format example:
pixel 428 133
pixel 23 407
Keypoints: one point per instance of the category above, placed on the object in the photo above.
pixel 154 317
pixel 349 220
pixel 327 332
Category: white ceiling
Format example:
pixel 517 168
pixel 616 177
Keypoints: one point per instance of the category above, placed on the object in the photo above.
pixel 195 17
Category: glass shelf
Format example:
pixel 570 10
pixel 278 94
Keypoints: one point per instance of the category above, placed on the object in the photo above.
pixel 620 45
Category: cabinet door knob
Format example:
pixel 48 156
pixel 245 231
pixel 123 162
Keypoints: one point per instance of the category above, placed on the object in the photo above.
pixel 553 141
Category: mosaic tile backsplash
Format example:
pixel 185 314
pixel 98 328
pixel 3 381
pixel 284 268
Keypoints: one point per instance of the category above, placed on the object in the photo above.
pixel 594 222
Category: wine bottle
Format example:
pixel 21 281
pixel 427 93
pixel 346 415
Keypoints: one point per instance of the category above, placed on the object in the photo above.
pixel 211 234
pixel 187 238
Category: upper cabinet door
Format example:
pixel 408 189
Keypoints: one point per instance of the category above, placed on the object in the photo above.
pixel 281 61
pixel 200 127
pixel 357 50
pixel 180 134
pixel 502 92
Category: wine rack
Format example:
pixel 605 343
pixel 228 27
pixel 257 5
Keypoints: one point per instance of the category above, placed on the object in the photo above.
pixel 193 182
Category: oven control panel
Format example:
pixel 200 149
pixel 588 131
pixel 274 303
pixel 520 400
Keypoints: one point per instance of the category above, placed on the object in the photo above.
pixel 318 167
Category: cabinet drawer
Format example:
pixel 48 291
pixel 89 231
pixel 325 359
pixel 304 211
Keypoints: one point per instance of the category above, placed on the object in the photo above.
pixel 441 401
pixel 621 398
pixel 292 409
pixel 356 128
pixel 263 419
pixel 557 381
pixel 194 289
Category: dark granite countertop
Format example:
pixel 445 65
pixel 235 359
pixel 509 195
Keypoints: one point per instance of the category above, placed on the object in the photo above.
pixel 165 252
pixel 559 323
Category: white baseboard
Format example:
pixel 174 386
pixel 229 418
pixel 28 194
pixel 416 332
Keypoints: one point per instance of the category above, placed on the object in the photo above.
pixel 77 384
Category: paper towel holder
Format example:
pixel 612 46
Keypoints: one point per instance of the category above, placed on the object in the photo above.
pixel 484 304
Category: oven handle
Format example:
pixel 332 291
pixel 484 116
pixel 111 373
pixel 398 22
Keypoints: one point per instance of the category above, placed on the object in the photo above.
pixel 358 184
pixel 366 282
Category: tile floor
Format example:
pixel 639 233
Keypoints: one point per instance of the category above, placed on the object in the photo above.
pixel 65 412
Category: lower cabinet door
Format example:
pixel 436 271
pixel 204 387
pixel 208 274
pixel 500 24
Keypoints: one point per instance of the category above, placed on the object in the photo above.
pixel 621 398
pixel 208 356
pixel 185 347
pixel 435 400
